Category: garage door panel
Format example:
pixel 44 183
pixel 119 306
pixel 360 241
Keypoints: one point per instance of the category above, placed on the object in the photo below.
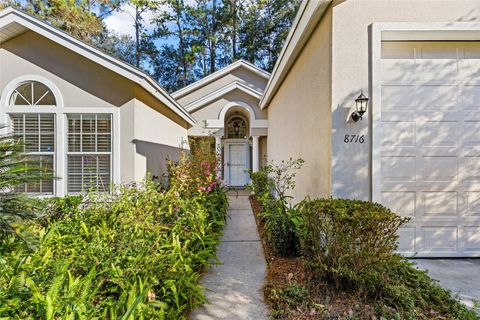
pixel 470 169
pixel 469 98
pixel 438 98
pixel 469 68
pixel 471 133
pixel 399 133
pixel 438 169
pixel 439 203
pixel 472 238
pixel 399 70
pixel 400 202
pixel 393 98
pixel 439 238
pixel 472 199
pixel 440 69
pixel 398 168
pixel 437 133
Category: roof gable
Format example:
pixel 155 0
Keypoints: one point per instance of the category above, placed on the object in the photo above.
pixel 217 94
pixel 239 64
pixel 14 22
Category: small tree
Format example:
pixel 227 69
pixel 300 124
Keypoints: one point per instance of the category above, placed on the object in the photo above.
pixel 16 169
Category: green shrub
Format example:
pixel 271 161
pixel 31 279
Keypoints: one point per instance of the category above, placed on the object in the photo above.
pixel 134 254
pixel 280 228
pixel 351 245
pixel 260 182
pixel 346 238
pixel 272 185
pixel 58 207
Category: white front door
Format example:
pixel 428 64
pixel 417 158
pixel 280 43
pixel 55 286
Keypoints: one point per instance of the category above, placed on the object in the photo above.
pixel 237 164
pixel 430 145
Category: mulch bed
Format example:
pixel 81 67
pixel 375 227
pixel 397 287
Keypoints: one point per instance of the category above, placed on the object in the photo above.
pixel 322 302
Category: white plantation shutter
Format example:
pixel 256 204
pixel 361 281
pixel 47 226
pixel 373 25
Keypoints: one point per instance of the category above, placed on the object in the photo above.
pixel 37 131
pixel 89 152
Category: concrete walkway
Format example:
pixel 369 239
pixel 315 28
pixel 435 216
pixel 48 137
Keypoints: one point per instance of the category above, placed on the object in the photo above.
pixel 461 276
pixel 234 288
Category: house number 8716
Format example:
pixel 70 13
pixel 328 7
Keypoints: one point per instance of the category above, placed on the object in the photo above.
pixel 354 138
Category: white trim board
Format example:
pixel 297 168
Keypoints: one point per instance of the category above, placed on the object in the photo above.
pixel 197 104
pixel 11 16
pixel 219 74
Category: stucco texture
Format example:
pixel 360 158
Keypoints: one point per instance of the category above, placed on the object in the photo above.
pixel 299 115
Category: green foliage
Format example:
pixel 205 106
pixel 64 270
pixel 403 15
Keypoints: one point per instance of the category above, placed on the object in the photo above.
pixel 134 254
pixel 260 183
pixel 272 185
pixel 16 170
pixel 56 208
pixel 351 245
pixel 347 238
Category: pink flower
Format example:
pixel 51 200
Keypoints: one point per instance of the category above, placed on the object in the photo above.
pixel 208 173
pixel 201 188
pixel 209 189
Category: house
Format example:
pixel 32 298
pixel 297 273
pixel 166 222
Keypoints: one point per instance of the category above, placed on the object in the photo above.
pixel 417 147
pixel 92 118
pixel 225 105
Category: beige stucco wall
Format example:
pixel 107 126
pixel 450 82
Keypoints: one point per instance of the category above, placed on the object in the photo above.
pixel 351 174
pixel 149 131
pixel 156 138
pixel 299 115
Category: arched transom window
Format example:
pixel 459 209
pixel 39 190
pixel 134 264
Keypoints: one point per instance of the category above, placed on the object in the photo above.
pixel 237 128
pixel 32 93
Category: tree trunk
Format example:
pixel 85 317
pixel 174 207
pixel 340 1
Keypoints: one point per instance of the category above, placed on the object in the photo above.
pixel 212 40
pixel 137 36
pixel 234 30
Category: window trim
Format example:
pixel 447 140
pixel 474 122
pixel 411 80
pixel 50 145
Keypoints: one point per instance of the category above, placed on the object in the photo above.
pixel 88 153
pixel 60 111
pixel 13 85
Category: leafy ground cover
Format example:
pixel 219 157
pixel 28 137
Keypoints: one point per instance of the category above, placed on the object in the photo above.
pixel 136 253
pixel 344 264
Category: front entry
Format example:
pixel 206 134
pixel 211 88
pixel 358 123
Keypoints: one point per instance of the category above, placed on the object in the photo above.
pixel 236 164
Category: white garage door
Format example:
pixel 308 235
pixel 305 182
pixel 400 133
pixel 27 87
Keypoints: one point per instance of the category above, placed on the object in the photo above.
pixel 430 153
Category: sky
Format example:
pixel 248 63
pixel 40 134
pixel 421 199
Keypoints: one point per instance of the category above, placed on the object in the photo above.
pixel 121 21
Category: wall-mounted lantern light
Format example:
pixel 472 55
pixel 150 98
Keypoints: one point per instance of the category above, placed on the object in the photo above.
pixel 361 104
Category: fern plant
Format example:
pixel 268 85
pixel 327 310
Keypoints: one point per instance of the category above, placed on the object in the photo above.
pixel 16 169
